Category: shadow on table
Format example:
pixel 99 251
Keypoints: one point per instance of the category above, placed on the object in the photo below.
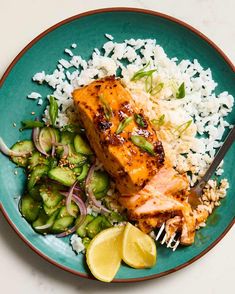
pixel 74 283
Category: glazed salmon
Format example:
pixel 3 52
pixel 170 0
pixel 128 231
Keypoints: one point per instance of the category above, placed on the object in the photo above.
pixel 103 106
pixel 161 201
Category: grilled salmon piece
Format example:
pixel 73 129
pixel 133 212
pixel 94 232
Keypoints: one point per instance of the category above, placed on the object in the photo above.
pixel 102 106
pixel 161 201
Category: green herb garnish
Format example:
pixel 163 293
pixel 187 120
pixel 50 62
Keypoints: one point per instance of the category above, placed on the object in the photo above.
pixel 142 143
pixel 53 110
pixel 123 124
pixel 30 124
pixel 139 119
pixel 159 122
pixel 148 75
pixel 157 89
pixel 107 109
pixel 182 128
pixel 181 91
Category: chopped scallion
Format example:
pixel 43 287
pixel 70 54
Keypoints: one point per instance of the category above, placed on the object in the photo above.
pixel 139 119
pixel 159 122
pixel 143 144
pixel 181 91
pixel 123 124
pixel 157 89
pixel 30 124
pixel 107 109
pixel 53 110
pixel 148 75
pixel 183 127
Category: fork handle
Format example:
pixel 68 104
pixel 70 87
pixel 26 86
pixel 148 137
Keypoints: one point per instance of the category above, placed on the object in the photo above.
pixel 219 155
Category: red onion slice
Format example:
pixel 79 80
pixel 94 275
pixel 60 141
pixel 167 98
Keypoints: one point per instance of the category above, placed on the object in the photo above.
pixel 66 151
pixel 43 227
pixel 69 199
pixel 7 151
pixel 36 134
pixel 90 193
pixel 65 147
pixel 83 213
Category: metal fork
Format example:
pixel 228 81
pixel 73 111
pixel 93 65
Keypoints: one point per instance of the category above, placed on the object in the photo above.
pixel 197 190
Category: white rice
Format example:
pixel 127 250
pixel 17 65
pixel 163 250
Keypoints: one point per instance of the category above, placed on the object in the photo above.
pixel 207 110
pixel 34 95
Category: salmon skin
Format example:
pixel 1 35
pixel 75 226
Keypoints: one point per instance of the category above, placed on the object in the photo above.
pixel 102 106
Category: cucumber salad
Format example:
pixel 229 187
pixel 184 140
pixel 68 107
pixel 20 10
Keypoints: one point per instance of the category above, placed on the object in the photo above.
pixel 67 191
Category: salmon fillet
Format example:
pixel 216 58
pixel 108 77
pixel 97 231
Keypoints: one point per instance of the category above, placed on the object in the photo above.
pixel 151 190
pixel 102 106
pixel 161 201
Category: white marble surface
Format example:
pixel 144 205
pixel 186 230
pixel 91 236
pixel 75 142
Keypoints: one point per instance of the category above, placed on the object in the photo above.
pixel 21 270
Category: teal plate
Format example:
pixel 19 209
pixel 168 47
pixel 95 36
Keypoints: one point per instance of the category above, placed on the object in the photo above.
pixel 87 30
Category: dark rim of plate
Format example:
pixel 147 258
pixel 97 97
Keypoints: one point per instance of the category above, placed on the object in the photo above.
pixel 35 40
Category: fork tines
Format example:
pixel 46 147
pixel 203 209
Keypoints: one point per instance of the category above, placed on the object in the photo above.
pixel 171 243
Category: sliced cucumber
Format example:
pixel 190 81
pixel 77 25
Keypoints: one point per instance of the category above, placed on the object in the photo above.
pixel 52 218
pixel 40 221
pixel 29 208
pixel 35 176
pixel 50 195
pixel 62 224
pixel 97 225
pixel 52 162
pixel 77 170
pixel 76 158
pixel 50 210
pixel 100 184
pixel 81 146
pixel 81 231
pixel 46 136
pixel 35 193
pixel 85 169
pixel 63 211
pixel 62 175
pixel 66 138
pixel 35 159
pixel 22 146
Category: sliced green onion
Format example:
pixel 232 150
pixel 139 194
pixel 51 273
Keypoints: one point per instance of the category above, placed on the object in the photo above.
pixel 149 84
pixel 181 91
pixel 137 76
pixel 157 89
pixel 142 143
pixel 123 124
pixel 183 127
pixel 30 124
pixel 159 122
pixel 107 109
pixel 141 73
pixel 139 119
pixel 53 110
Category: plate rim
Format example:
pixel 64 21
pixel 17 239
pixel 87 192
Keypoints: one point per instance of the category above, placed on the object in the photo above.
pixel 52 28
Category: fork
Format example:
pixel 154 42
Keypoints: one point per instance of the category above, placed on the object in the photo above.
pixel 197 190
